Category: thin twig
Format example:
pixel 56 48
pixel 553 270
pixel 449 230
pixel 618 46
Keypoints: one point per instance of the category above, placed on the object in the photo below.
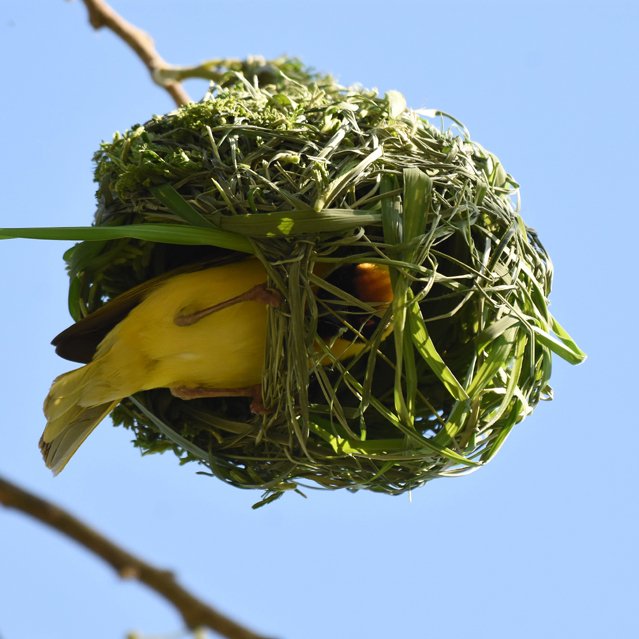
pixel 102 15
pixel 194 612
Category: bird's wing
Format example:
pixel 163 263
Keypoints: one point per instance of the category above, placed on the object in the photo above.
pixel 79 341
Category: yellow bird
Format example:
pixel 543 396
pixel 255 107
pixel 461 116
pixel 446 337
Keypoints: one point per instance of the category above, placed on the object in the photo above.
pixel 199 334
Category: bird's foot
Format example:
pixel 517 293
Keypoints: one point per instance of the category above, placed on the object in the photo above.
pixel 199 392
pixel 259 293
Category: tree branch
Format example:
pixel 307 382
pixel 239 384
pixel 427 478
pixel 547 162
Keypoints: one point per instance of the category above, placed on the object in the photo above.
pixel 102 15
pixel 194 612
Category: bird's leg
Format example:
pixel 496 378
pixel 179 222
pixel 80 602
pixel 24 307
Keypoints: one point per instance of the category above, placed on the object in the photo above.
pixel 199 392
pixel 259 293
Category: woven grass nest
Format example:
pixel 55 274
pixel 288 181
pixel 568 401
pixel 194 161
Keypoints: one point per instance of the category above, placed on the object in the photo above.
pixel 286 164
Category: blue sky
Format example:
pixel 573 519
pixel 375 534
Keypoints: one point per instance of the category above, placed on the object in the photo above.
pixel 540 543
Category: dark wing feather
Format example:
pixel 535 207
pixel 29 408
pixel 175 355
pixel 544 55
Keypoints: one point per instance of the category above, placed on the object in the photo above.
pixel 79 341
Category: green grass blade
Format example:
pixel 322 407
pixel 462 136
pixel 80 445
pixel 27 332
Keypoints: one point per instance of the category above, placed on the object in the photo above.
pixel 513 379
pixel 166 194
pixel 391 215
pixel 417 189
pixel 410 376
pixel 557 346
pixel 503 433
pixel 296 222
pixel 168 432
pixel 498 353
pixel 495 330
pixel 573 353
pixel 348 177
pixel 426 348
pixel 454 424
pixel 388 448
pixel 166 233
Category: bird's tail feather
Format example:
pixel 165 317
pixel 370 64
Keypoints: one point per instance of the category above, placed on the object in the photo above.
pixel 68 422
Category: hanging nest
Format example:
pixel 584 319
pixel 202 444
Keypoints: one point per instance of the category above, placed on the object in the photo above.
pixel 302 172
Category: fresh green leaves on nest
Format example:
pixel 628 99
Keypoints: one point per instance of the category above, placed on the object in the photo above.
pixel 302 172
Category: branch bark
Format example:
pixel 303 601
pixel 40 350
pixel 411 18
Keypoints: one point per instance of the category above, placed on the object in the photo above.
pixel 195 612
pixel 101 15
